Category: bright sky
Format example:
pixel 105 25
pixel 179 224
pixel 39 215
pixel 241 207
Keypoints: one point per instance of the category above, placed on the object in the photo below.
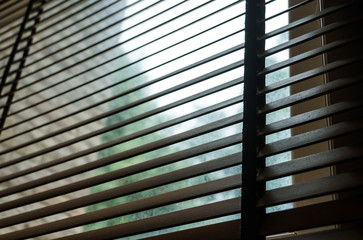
pixel 210 36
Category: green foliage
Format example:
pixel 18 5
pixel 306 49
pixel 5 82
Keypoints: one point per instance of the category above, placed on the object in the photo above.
pixel 125 130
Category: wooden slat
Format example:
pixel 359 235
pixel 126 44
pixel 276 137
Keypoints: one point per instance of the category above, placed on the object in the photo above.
pixel 120 43
pixel 130 207
pixel 44 46
pixel 140 72
pixel 322 214
pixel 311 93
pixel 267 2
pixel 310 116
pixel 123 190
pixel 61 19
pixel 308 36
pixel 309 54
pixel 129 153
pixel 225 230
pixel 310 189
pixel 114 111
pixel 355 233
pixel 123 139
pixel 61 49
pixel 190 215
pixel 10 63
pixel 5 5
pixel 157 162
pixel 44 20
pixel 124 93
pixel 308 19
pixel 286 10
pixel 62 12
pixel 39 23
pixel 11 38
pixel 311 162
pixel 309 74
pixel 311 137
pixel 13 14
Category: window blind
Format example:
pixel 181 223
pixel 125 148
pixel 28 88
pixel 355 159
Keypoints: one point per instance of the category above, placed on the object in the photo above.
pixel 125 119
pixel 121 119
pixel 323 62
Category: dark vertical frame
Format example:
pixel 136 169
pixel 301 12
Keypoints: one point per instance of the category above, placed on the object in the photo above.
pixel 251 166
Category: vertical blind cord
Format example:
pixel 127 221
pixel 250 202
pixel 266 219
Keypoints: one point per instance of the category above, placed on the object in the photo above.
pixel 11 60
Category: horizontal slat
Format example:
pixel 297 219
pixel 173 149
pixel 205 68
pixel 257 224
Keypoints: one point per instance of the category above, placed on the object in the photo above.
pixel 65 17
pixel 13 14
pixel 56 22
pixel 15 6
pixel 125 138
pixel 308 36
pixel 114 111
pixel 132 89
pixel 267 2
pixel 4 78
pixel 309 74
pixel 7 49
pixel 310 93
pixel 41 4
pixel 50 5
pixel 36 7
pixel 310 116
pixel 225 230
pixel 137 150
pixel 5 5
pixel 135 75
pixel 157 162
pixel 311 137
pixel 310 189
pixel 322 214
pixel 123 93
pixel 311 162
pixel 355 233
pixel 287 10
pixel 10 40
pixel 8 30
pixel 86 27
pixel 208 59
pixel 159 200
pixel 62 11
pixel 13 38
pixel 88 46
pixel 127 40
pixel 84 38
pixel 190 215
pixel 116 125
pixel 42 22
pixel 308 19
pixel 310 54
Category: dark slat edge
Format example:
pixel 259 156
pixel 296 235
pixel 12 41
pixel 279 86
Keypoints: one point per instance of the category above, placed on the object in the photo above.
pixel 311 162
pixel 355 233
pixel 163 221
pixel 225 230
pixel 310 189
pixel 317 215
